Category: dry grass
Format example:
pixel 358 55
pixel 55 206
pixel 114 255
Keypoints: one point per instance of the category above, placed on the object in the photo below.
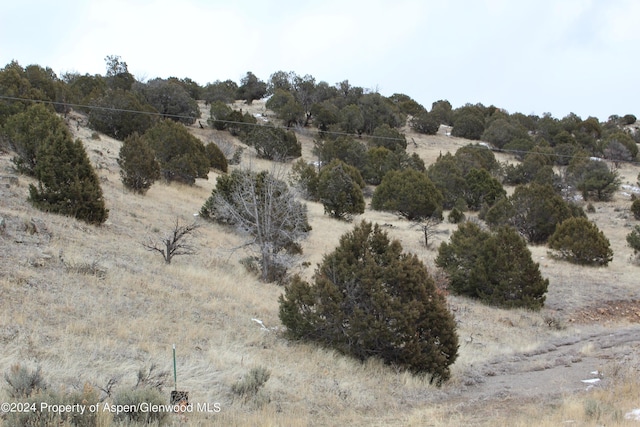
pixel 80 326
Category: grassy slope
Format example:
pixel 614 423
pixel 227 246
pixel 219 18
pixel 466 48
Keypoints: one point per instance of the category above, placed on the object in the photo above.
pixel 84 328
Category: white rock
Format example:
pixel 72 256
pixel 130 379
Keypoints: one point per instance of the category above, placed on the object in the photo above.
pixel 633 415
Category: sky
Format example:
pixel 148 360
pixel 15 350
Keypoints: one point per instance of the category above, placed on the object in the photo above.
pixel 527 56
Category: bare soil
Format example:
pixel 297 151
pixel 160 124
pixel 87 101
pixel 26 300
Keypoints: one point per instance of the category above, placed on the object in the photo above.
pixel 550 371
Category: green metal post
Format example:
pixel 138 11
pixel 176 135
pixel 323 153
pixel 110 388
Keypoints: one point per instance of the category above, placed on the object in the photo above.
pixel 175 375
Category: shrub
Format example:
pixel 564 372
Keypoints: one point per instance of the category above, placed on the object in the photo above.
pixel 132 398
pixel 24 382
pixel 442 111
pixel 287 109
pixel 174 243
pixel 469 126
pixel 476 156
pixel 237 156
pixel 28 130
pixel 534 210
pixel 380 161
pixel 389 138
pixel 633 239
pixel 347 149
pixel 251 384
pixel 426 123
pixel 579 241
pixel 169 98
pixel 218 91
pixel 448 178
pixel 409 193
pixel 455 216
pixel 304 177
pixel 536 166
pixel 86 268
pixel 340 190
pixel 495 268
pixel 29 389
pixel 139 168
pixel 67 182
pixel 369 299
pixel 182 156
pixel 120 113
pixel 36 417
pixel 274 143
pixel 519 147
pixel 217 159
pixel 620 146
pixel 220 114
pixel 635 209
pixel 482 189
pixel 592 178
pixel 251 88
pixel 501 132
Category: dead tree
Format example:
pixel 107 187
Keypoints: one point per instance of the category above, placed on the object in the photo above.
pixel 174 243
pixel 428 226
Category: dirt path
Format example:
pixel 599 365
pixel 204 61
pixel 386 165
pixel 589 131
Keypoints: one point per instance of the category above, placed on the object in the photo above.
pixel 557 368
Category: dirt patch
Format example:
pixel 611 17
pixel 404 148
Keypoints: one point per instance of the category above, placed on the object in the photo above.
pixel 608 312
pixel 564 365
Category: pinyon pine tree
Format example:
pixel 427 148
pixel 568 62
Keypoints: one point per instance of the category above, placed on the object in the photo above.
pixel 370 299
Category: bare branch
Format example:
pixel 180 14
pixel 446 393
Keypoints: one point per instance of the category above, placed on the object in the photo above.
pixel 428 226
pixel 174 243
pixel 262 207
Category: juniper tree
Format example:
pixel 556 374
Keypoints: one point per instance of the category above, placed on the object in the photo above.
pixel 579 241
pixel 534 210
pixel 274 143
pixel 482 189
pixel 67 183
pixel 182 156
pixel 217 159
pixel 370 299
pixel 635 208
pixel 26 131
pixel 119 113
pixel 495 268
pixel 340 190
pixel 139 168
pixel 409 193
pixel 633 239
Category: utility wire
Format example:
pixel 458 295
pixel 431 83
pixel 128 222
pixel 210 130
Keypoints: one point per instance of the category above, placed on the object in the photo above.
pixel 178 116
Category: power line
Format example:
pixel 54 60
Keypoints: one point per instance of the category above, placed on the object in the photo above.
pixel 177 116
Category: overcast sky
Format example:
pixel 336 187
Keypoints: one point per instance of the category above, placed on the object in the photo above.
pixel 528 56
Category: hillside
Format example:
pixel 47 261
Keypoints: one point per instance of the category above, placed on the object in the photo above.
pixel 90 304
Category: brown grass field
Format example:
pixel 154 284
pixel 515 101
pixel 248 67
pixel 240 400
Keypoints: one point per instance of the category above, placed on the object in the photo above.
pixel 89 304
